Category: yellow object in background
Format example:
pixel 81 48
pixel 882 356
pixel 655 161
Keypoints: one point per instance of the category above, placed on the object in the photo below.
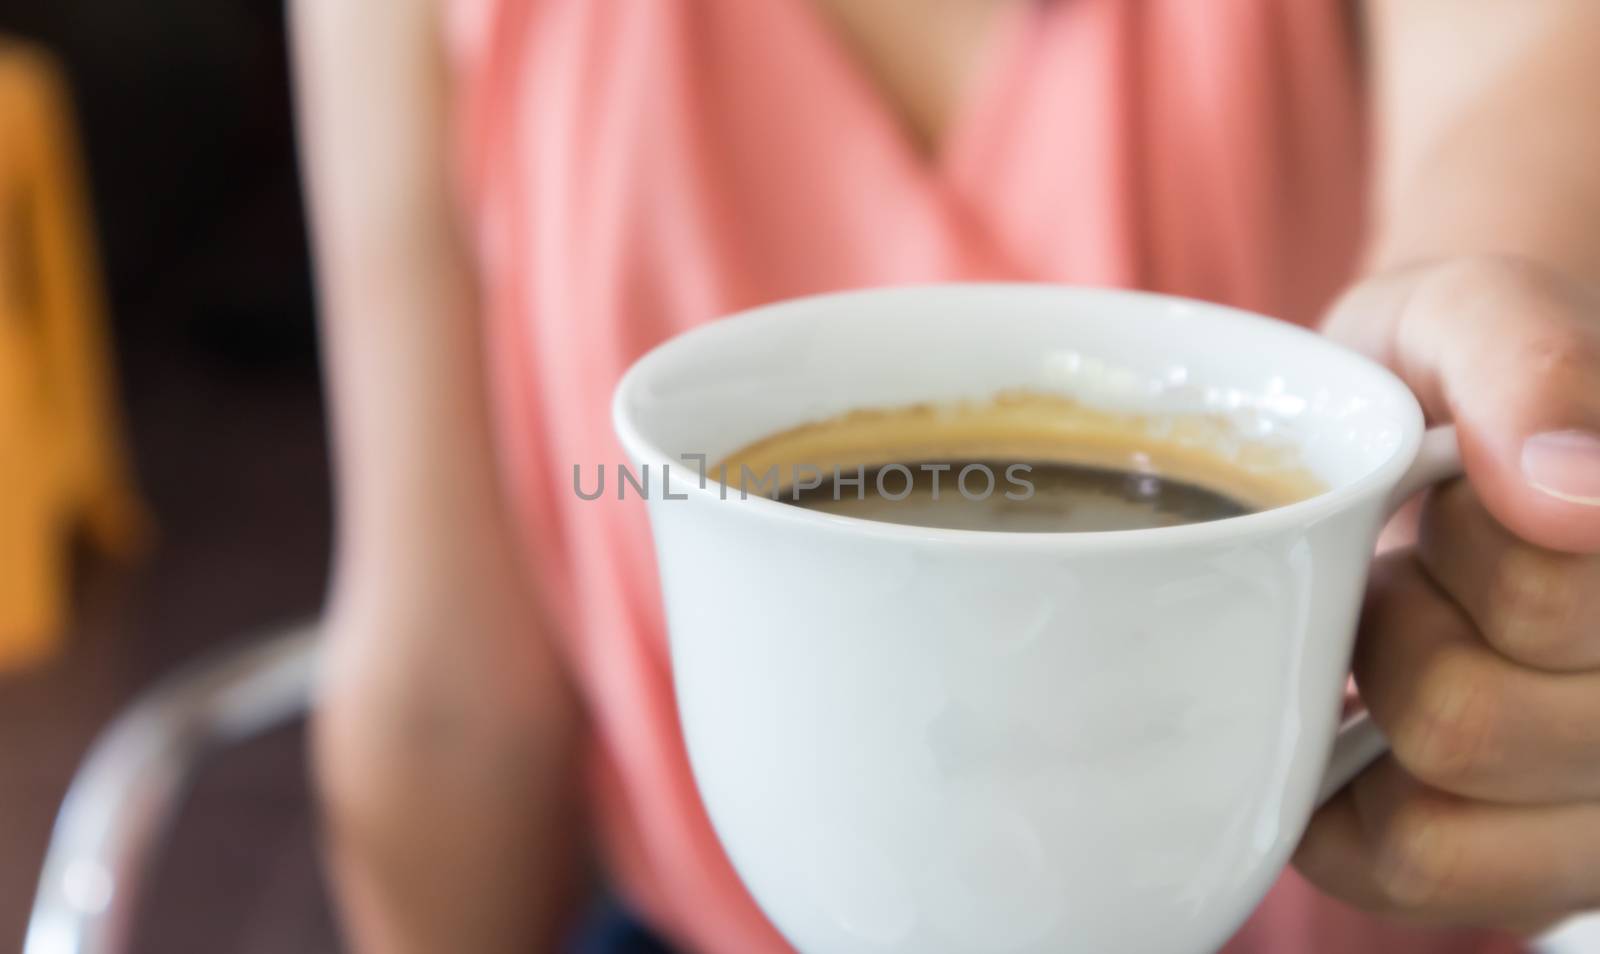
pixel 62 466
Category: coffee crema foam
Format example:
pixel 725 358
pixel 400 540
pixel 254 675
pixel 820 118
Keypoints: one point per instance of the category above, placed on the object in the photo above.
pixel 1205 450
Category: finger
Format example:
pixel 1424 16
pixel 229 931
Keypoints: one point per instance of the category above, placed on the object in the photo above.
pixel 1460 716
pixel 1390 844
pixel 1537 607
pixel 1511 353
pixel 1402 528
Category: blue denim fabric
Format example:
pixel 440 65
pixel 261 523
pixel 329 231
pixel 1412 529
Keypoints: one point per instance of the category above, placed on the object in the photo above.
pixel 610 929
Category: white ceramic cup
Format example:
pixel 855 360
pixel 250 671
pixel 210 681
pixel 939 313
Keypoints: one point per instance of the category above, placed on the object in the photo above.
pixel 918 740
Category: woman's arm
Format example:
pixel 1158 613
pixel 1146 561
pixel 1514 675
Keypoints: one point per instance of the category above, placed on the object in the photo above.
pixel 1488 129
pixel 1479 653
pixel 446 739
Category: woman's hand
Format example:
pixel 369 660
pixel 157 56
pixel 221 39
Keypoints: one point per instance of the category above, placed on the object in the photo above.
pixel 1479 651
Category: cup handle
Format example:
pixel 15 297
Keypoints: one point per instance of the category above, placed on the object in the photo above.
pixel 1360 741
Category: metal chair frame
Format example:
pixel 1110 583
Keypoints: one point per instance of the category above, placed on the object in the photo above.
pixel 126 794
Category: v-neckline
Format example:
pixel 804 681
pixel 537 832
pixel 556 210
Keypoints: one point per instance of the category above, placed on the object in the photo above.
pixel 974 105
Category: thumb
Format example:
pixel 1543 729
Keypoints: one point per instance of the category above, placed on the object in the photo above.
pixel 1509 352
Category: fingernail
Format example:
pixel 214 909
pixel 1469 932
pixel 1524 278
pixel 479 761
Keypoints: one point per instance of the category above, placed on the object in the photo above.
pixel 1565 465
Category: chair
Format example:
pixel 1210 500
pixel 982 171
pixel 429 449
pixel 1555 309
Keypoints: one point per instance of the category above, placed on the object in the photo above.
pixel 62 466
pixel 118 808
pixel 123 798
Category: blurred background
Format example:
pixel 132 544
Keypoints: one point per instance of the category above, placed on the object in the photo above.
pixel 181 111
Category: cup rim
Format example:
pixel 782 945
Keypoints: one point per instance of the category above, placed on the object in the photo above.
pixel 1375 482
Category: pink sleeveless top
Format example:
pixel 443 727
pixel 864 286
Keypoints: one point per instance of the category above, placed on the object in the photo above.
pixel 632 168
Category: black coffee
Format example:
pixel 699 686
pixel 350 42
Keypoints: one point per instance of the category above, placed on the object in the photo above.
pixel 1038 497
pixel 1020 462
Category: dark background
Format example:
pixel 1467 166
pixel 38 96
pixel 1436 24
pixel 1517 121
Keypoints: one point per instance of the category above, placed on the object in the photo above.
pixel 183 108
